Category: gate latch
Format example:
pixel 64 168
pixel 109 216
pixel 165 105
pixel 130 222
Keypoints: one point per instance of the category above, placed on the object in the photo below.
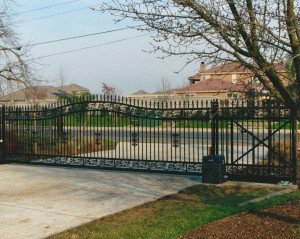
pixel 134 138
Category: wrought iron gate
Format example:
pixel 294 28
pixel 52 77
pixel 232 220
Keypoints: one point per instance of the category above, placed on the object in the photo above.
pixel 259 141
pixel 169 137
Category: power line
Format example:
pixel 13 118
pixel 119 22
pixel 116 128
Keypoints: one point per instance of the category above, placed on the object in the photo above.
pixel 57 14
pixel 75 37
pixel 84 48
pixel 41 8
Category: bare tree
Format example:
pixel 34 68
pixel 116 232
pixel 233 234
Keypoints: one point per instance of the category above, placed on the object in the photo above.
pixel 62 76
pixel 14 71
pixel 165 88
pixel 35 94
pixel 257 33
pixel 110 90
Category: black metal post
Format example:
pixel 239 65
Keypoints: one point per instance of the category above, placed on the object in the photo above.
pixel 4 153
pixel 231 140
pixel 214 128
pixel 217 127
pixel 270 153
pixel 294 147
pixel 59 127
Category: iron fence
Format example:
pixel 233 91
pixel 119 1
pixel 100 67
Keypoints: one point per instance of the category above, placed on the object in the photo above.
pixel 257 138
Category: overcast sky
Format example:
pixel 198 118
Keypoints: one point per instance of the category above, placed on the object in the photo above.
pixel 123 64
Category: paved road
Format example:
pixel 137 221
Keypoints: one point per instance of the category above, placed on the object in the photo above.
pixel 162 134
pixel 37 201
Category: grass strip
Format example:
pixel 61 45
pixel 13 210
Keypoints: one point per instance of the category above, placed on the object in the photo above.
pixel 176 214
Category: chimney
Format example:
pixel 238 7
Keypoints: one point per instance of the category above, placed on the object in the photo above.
pixel 202 67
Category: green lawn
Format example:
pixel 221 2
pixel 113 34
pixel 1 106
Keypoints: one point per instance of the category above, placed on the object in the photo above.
pixel 174 215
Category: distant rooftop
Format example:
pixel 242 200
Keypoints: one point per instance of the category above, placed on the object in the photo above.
pixel 42 92
pixel 71 88
pixel 140 92
pixel 228 67
pixel 214 84
pixel 231 67
pixel 171 91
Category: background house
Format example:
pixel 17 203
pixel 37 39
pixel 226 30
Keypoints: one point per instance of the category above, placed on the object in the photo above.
pixel 232 72
pixel 229 80
pixel 72 89
pixel 226 81
pixel 41 95
pixel 155 96
pixel 214 88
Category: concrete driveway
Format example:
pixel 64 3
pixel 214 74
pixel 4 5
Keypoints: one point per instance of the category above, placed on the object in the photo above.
pixel 37 201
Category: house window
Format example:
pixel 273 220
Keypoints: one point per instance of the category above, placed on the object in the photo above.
pixel 203 77
pixel 234 79
pixel 255 80
pixel 190 95
pixel 232 95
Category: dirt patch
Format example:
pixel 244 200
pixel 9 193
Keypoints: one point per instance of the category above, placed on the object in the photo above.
pixel 281 221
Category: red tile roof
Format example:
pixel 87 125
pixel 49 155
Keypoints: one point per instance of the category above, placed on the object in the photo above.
pixel 231 67
pixel 214 84
pixel 228 67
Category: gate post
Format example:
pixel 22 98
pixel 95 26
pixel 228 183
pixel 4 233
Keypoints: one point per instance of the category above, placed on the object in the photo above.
pixel 4 154
pixel 214 128
pixel 270 153
pixel 296 171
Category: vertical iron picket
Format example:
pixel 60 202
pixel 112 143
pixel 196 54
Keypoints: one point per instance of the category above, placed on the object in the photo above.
pixel 4 153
